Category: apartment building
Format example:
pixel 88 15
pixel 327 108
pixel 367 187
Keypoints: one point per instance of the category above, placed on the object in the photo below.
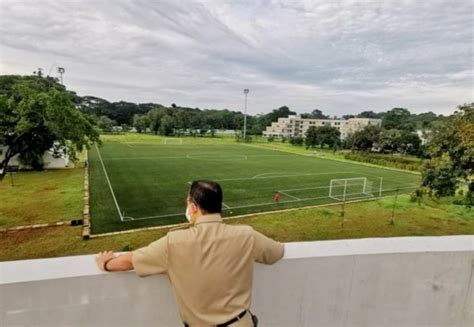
pixel 294 125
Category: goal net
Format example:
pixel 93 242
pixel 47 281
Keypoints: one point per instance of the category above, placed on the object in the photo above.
pixel 171 140
pixel 350 188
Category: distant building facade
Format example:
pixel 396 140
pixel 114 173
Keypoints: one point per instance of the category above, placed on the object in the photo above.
pixel 294 125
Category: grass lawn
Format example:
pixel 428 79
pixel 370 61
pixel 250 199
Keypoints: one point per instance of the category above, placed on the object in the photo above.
pixel 138 181
pixel 41 197
pixel 367 219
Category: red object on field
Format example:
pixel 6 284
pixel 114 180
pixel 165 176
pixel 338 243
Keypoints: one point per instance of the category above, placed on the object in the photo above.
pixel 277 197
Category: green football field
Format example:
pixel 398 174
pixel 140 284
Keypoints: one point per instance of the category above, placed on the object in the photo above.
pixel 135 185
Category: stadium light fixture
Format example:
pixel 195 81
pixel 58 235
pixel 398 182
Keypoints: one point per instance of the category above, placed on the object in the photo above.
pixel 61 71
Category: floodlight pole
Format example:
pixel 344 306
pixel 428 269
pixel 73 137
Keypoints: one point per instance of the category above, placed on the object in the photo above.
pixel 61 71
pixel 246 91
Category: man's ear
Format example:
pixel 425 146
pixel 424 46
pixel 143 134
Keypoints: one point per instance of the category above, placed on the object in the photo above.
pixel 194 207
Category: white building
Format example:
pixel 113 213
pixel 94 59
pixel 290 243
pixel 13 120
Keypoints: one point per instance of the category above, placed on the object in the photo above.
pixel 294 125
pixel 55 158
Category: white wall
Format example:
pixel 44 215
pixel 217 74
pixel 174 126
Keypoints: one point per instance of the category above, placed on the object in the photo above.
pixel 412 281
pixel 50 162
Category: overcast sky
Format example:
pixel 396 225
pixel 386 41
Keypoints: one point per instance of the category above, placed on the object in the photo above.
pixel 338 56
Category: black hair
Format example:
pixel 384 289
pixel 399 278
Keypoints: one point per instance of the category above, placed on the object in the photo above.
pixel 207 195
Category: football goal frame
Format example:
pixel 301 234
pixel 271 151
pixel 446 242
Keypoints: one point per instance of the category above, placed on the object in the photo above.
pixel 172 141
pixel 340 189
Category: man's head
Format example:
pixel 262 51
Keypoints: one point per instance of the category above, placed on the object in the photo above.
pixel 205 197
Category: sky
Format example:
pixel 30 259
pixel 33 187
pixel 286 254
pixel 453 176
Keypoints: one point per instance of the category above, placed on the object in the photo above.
pixel 340 56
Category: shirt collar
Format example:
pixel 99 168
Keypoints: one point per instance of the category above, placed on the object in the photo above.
pixel 210 218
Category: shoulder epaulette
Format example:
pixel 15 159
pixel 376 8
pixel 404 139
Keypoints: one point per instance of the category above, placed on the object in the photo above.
pixel 180 227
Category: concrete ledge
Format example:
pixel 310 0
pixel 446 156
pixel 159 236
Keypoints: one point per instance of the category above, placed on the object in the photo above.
pixel 403 281
pixel 84 265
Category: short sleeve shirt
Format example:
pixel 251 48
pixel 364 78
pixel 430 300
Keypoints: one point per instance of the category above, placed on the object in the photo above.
pixel 210 265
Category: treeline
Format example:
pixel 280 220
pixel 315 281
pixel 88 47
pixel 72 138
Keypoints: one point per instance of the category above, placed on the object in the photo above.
pixel 176 120
pixel 173 120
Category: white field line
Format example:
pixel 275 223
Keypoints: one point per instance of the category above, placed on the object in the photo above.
pixel 279 176
pixel 275 174
pixel 241 207
pixel 316 188
pixel 108 181
pixel 129 145
pixel 226 157
pixel 352 201
pixel 187 156
pixel 225 205
pixel 152 217
pixel 364 196
pixel 291 196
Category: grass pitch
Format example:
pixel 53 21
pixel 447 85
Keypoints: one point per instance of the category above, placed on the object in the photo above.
pixel 144 183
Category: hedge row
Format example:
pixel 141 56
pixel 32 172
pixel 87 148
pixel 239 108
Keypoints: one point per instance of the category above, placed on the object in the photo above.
pixel 386 160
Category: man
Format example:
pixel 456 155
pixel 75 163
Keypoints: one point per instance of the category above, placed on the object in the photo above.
pixel 277 197
pixel 209 263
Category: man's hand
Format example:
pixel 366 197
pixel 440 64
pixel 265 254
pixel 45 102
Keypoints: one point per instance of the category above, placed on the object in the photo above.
pixel 102 257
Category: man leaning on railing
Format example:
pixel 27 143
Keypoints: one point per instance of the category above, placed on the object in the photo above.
pixel 209 263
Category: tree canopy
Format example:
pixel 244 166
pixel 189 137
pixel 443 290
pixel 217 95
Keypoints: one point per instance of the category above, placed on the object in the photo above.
pixel 451 153
pixel 35 113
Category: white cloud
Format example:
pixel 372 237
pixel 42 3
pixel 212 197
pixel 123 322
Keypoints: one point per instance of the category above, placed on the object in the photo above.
pixel 340 56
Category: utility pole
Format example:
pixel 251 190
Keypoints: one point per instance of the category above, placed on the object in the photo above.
pixel 246 91
pixel 61 71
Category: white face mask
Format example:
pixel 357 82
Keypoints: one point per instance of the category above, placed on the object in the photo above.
pixel 188 216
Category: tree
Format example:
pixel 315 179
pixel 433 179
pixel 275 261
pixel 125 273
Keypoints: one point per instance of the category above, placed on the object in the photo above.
pixel 328 135
pixel 296 140
pixel 167 125
pixel 106 124
pixel 451 152
pixel 311 139
pixel 368 114
pixel 398 118
pixel 37 112
pixel 154 116
pixel 141 123
pixel 365 138
pixel 315 114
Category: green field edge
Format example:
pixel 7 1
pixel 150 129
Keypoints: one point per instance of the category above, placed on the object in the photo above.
pixel 248 215
pixel 276 148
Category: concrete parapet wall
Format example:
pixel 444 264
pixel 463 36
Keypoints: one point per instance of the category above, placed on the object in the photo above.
pixel 404 281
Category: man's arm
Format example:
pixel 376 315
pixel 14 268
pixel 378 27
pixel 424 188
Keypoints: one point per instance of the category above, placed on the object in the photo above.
pixel 266 250
pixel 108 261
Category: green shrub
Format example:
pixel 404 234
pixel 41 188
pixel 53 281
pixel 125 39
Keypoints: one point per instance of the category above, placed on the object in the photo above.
pixel 407 163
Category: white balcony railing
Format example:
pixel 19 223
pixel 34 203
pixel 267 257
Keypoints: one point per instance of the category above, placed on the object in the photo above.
pixel 404 281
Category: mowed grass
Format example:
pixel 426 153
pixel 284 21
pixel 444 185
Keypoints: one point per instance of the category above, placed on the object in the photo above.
pixel 150 180
pixel 367 219
pixel 41 197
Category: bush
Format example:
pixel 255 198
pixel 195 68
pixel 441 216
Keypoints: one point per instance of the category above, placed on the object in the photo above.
pixel 296 140
pixel 270 139
pixel 386 160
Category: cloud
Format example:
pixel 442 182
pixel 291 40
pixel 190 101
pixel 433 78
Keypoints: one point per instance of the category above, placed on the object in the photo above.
pixel 340 56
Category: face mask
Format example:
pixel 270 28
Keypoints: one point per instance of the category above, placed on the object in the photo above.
pixel 188 216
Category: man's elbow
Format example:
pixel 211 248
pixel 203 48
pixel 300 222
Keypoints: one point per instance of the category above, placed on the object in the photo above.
pixel 277 254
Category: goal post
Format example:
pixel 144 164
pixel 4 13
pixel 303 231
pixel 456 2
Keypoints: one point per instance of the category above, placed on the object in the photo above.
pixel 173 141
pixel 343 189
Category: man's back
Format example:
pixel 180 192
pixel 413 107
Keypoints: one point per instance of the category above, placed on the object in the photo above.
pixel 210 266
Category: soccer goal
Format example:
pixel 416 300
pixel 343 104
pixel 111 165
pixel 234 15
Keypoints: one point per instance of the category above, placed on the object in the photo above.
pixel 172 141
pixel 350 188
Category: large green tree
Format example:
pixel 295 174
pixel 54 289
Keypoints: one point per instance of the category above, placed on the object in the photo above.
pixel 451 152
pixel 36 112
pixel 365 138
pixel 398 118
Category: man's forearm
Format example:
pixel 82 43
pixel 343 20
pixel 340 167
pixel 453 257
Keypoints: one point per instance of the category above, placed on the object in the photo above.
pixel 122 262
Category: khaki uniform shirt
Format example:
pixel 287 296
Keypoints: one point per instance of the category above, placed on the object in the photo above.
pixel 210 265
